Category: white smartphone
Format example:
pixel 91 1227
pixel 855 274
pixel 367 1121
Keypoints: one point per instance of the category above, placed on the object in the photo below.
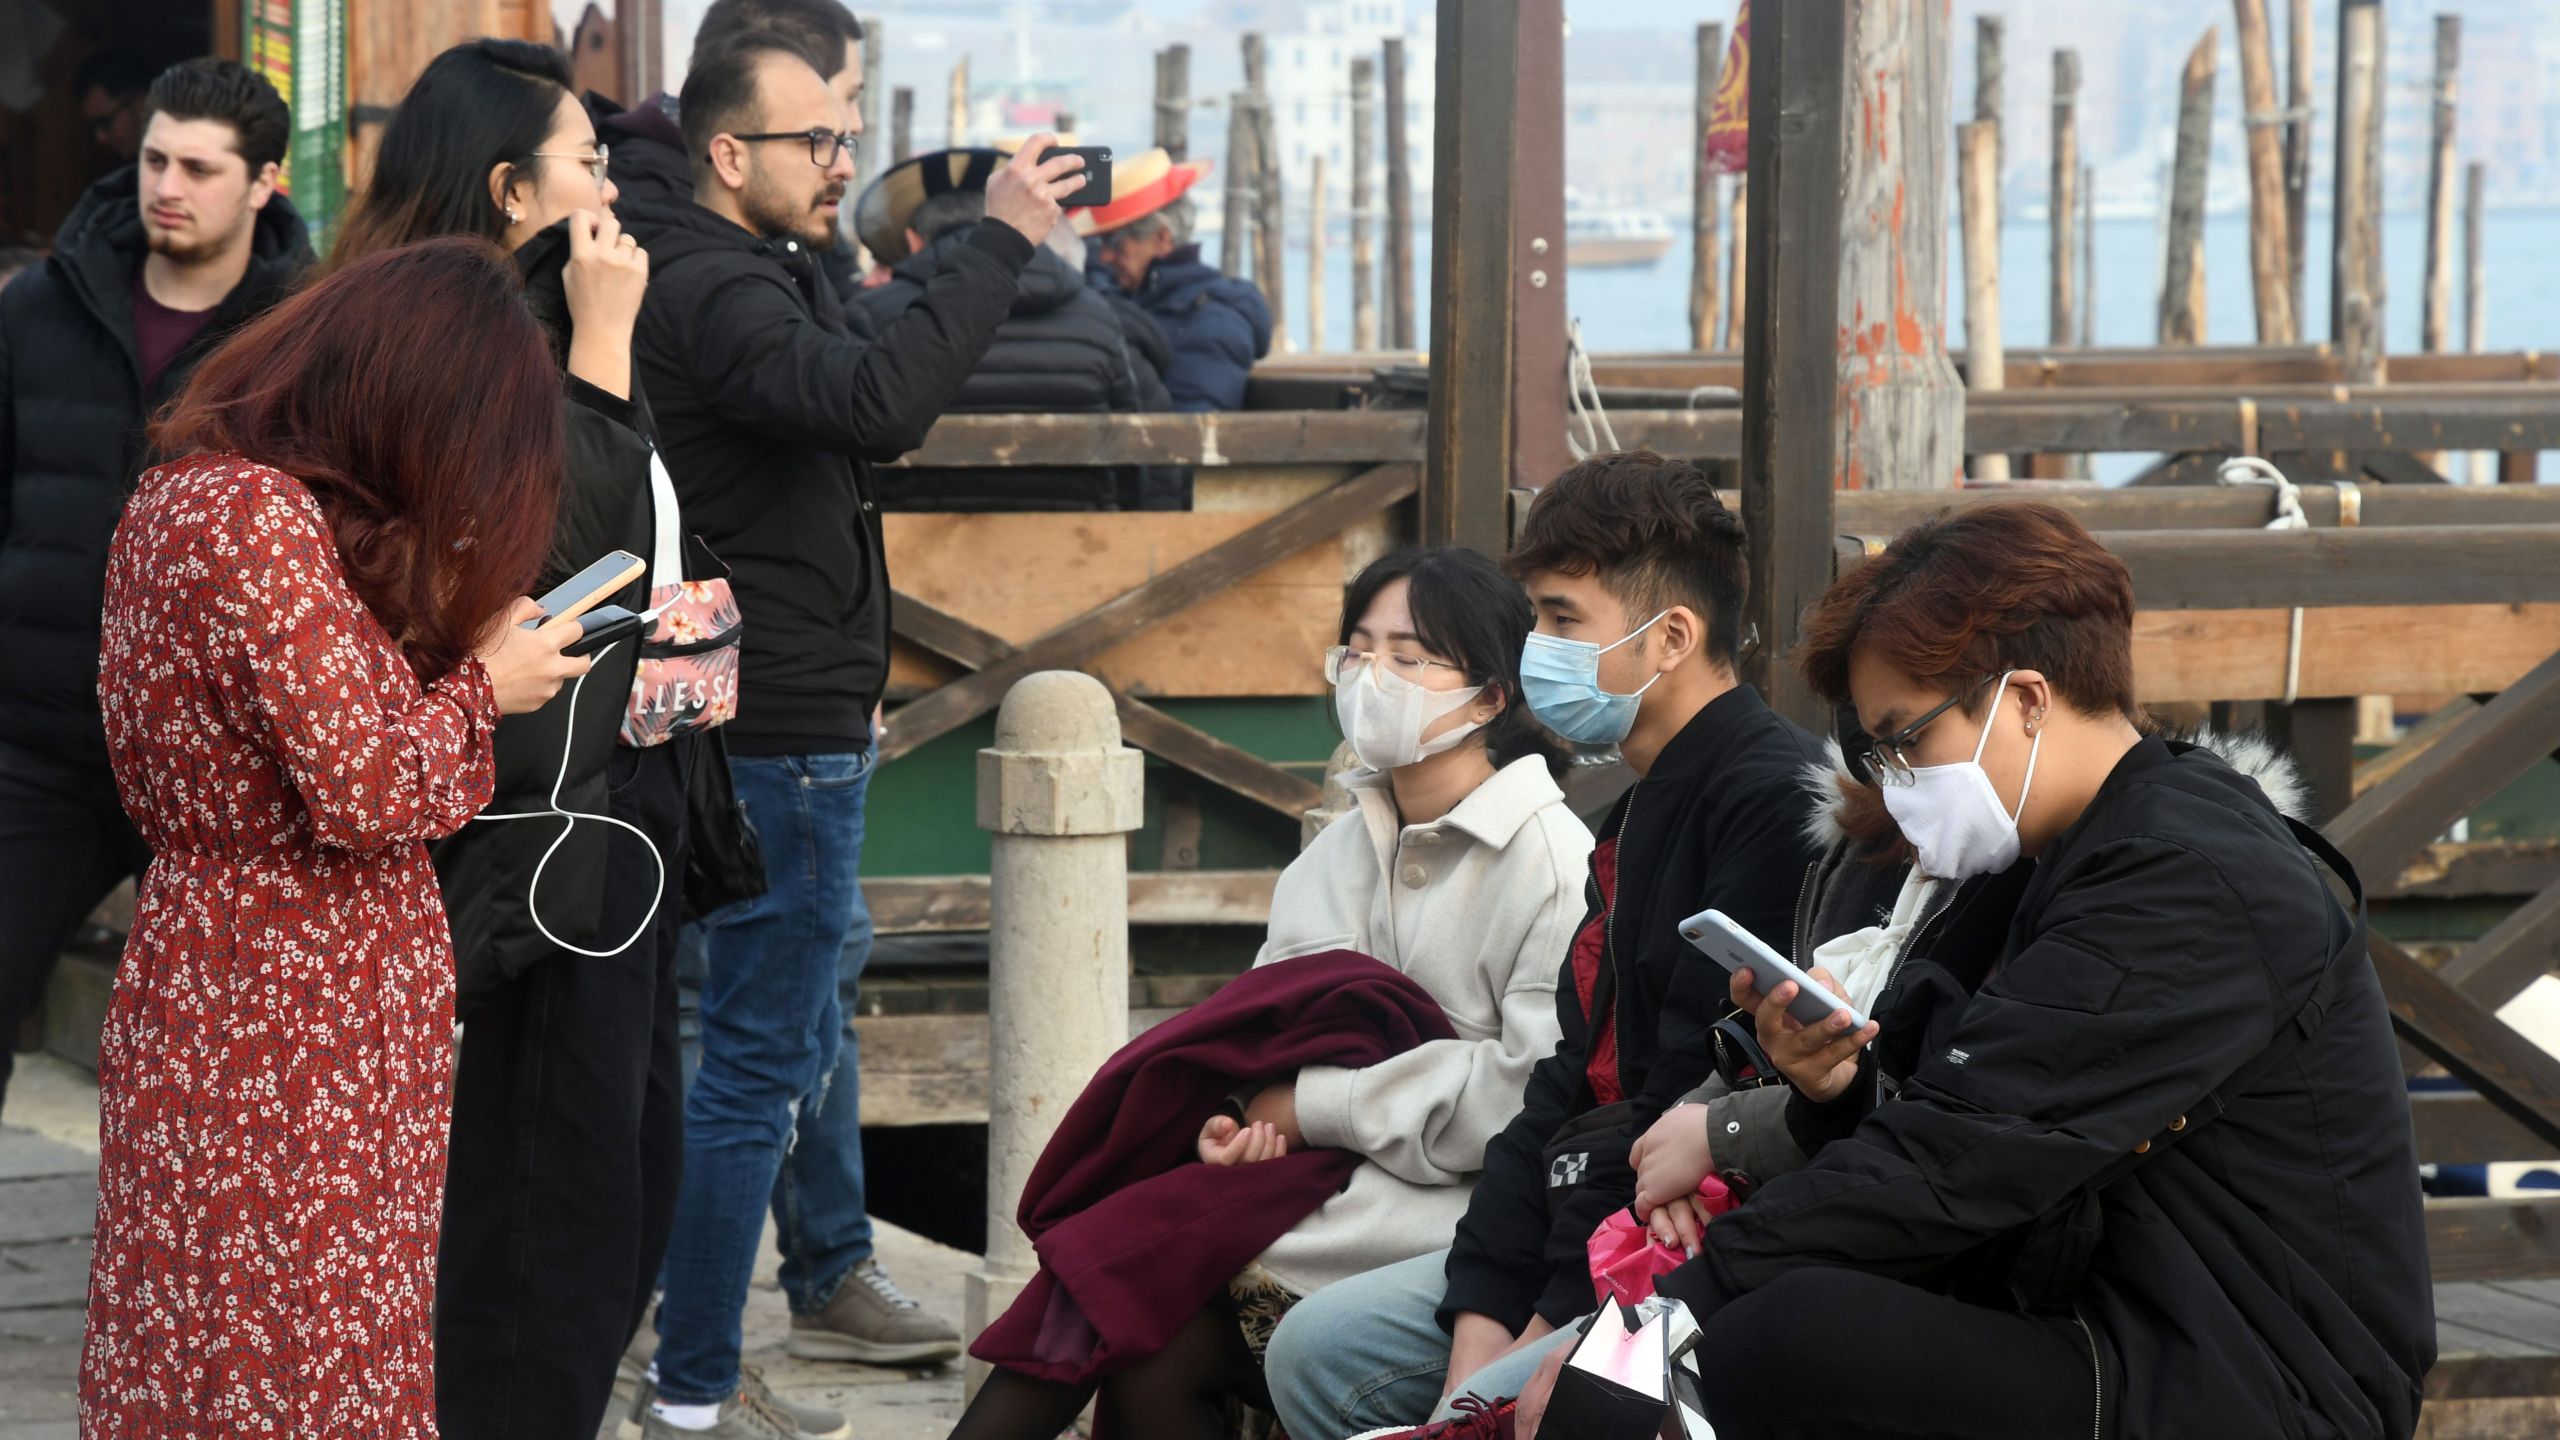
pixel 1729 945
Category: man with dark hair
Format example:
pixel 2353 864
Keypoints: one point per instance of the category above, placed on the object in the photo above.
pixel 1062 350
pixel 110 85
pixel 770 414
pixel 154 266
pixel 1636 570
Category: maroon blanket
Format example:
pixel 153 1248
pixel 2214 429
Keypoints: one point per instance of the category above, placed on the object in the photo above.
pixel 1134 1233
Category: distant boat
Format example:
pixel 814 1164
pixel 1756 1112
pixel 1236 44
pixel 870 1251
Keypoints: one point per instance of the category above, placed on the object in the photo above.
pixel 1614 239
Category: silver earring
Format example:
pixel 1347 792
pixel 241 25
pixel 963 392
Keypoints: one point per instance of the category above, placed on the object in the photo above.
pixel 512 216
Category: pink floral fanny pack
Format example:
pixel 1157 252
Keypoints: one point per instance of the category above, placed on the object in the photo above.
pixel 688 675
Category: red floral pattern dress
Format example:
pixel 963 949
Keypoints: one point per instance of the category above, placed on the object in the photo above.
pixel 275 1067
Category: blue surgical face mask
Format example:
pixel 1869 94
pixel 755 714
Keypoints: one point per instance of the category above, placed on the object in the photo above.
pixel 1560 680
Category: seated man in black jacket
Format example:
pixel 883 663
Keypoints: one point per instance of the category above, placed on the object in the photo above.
pixel 1637 573
pixel 2147 1169
pixel 1063 350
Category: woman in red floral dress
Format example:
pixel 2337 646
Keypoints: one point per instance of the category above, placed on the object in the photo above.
pixel 301 668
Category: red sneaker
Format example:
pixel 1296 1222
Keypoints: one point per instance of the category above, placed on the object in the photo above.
pixel 1477 1419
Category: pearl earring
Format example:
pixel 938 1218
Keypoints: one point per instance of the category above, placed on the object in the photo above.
pixel 512 216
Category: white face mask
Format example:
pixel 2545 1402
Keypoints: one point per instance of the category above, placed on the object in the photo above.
pixel 1383 716
pixel 1952 815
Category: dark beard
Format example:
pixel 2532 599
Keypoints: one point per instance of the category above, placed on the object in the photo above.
pixel 775 218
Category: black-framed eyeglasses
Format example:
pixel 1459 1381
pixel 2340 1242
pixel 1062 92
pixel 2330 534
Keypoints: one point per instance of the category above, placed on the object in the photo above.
pixel 824 145
pixel 1887 761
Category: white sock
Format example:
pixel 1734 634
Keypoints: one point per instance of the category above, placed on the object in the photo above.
pixel 687 1417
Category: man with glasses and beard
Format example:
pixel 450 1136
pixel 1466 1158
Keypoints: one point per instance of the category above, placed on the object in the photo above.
pixel 770 414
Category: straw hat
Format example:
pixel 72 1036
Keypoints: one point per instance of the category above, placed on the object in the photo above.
pixel 1141 185
pixel 887 204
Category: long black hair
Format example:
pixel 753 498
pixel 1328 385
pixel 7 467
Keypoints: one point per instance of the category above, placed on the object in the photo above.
pixel 482 103
pixel 1467 612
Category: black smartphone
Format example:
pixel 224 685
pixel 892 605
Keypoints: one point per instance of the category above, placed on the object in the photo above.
pixel 588 588
pixel 1097 170
pixel 603 626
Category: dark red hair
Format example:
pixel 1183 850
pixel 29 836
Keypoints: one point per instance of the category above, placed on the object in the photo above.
pixel 414 393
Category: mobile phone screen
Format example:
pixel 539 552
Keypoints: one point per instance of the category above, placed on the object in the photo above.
pixel 588 588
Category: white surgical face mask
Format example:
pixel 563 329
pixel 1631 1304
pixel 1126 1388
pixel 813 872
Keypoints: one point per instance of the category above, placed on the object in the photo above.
pixel 1383 715
pixel 1952 815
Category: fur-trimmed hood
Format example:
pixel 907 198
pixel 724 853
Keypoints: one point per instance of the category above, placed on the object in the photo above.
pixel 2251 753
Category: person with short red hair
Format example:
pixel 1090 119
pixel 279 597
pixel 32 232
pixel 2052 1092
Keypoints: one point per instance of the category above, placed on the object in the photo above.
pixel 2147 1171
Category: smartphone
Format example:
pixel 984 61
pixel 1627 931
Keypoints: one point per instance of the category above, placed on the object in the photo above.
pixel 1729 945
pixel 588 588
pixel 603 626
pixel 1097 170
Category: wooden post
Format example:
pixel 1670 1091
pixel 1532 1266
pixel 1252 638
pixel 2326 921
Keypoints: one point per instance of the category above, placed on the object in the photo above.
pixel 1901 412
pixel 1235 247
pixel 1364 231
pixel 1315 251
pixel 2355 282
pixel 2435 329
pixel 1497 267
pixel 2297 154
pixel 1735 264
pixel 2088 256
pixel 1173 101
pixel 959 128
pixel 2182 281
pixel 902 122
pixel 1990 37
pixel 2475 295
pixel 1400 322
pixel 1791 300
pixel 1978 196
pixel 2063 197
pixel 1704 263
pixel 1270 253
pixel 2270 254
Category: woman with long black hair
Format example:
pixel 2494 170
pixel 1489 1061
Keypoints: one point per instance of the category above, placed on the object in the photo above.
pixel 568 1109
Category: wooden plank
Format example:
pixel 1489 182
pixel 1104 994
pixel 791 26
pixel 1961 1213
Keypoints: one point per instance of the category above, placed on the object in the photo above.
pixel 1215 569
pixel 2470 1239
pixel 1467 454
pixel 2514 1322
pixel 1243 437
pixel 2495 869
pixel 2248 569
pixel 1791 316
pixel 2393 468
pixel 2459 1129
pixel 2517 951
pixel 2215 506
pixel 2475 760
pixel 2476 1047
pixel 957 904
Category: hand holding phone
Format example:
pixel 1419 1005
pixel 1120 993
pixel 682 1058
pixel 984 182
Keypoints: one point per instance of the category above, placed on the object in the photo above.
pixel 588 588
pixel 1097 173
pixel 528 661
pixel 1720 939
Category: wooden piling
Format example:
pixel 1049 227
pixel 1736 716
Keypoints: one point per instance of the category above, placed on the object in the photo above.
pixel 1704 267
pixel 2297 154
pixel 1315 251
pixel 1235 240
pixel 2182 292
pixel 1270 253
pixel 2435 329
pixel 1735 263
pixel 2355 283
pixel 1990 39
pixel 868 161
pixel 2475 293
pixel 959 128
pixel 2063 198
pixel 1364 242
pixel 902 122
pixel 2270 254
pixel 1978 199
pixel 2088 256
pixel 1401 334
pixel 1173 101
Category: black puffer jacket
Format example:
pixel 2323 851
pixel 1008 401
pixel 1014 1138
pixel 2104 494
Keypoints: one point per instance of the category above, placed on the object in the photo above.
pixel 487 868
pixel 1718 822
pixel 1062 350
pixel 770 414
pixel 72 416
pixel 2265 1276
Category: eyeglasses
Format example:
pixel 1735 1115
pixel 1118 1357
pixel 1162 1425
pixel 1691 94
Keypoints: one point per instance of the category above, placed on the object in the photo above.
pixel 594 163
pixel 1888 761
pixel 1341 662
pixel 824 145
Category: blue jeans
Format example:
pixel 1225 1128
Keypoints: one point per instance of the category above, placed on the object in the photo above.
pixel 778 1077
pixel 1368 1352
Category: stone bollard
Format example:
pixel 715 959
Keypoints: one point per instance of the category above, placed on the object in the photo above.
pixel 1061 793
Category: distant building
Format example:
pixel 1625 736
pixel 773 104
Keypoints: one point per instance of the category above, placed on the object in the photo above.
pixel 1312 45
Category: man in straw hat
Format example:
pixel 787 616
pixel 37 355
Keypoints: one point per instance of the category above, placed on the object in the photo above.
pixel 1218 324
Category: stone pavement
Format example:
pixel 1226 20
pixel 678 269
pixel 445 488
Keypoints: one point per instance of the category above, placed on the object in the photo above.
pixel 48 1195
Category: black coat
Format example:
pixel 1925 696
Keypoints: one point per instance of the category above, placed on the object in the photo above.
pixel 770 414
pixel 648 167
pixel 72 414
pixel 1062 350
pixel 487 867
pixel 1718 822
pixel 2265 1276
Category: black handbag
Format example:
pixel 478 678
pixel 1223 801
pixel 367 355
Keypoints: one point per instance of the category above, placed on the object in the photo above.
pixel 723 864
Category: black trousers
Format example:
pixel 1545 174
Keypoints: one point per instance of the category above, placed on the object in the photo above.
pixel 1842 1355
pixel 64 843
pixel 568 1139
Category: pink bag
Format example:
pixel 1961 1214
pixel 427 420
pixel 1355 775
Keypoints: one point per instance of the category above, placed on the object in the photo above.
pixel 1626 1259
